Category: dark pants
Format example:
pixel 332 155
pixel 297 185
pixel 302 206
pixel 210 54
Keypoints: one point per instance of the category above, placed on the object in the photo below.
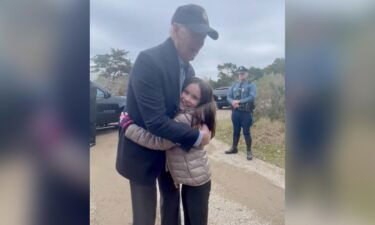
pixel 195 203
pixel 144 200
pixel 244 120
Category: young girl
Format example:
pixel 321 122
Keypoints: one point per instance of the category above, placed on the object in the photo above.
pixel 191 169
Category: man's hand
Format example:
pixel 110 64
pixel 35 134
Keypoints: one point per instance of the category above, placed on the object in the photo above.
pixel 235 103
pixel 206 135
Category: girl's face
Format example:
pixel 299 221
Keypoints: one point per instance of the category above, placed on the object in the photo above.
pixel 190 97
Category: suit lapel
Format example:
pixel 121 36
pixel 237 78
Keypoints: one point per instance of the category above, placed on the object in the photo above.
pixel 190 73
pixel 173 69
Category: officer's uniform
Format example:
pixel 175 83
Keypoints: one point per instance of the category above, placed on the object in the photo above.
pixel 242 116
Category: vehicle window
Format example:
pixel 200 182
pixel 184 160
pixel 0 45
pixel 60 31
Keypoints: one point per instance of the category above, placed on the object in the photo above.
pixel 99 93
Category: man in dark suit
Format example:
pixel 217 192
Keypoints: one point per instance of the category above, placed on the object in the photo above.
pixel 153 95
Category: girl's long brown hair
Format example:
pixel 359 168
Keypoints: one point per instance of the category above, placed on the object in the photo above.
pixel 205 113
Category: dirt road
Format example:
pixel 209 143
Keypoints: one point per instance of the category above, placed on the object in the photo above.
pixel 243 192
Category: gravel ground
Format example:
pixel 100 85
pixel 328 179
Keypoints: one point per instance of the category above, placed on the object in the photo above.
pixel 274 174
pixel 244 192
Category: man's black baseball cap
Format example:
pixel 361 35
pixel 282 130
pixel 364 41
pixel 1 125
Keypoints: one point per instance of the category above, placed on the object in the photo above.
pixel 242 69
pixel 195 18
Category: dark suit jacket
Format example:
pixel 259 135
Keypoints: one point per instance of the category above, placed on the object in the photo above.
pixel 152 102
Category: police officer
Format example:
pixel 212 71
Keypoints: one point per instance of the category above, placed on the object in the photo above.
pixel 241 96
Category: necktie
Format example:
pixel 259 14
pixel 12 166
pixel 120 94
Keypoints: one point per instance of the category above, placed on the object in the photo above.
pixel 241 90
pixel 184 71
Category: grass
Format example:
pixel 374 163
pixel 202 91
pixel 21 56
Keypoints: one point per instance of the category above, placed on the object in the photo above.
pixel 268 139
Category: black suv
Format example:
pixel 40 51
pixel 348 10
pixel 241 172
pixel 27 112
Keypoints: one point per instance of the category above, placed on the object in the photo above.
pixel 220 96
pixel 108 106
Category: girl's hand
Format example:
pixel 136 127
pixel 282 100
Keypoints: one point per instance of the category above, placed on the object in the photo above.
pixel 125 121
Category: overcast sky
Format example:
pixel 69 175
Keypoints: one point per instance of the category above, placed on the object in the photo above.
pixel 251 32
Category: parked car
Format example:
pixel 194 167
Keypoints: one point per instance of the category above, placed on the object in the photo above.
pixel 108 106
pixel 220 96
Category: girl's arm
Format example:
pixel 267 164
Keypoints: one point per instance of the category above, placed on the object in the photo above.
pixel 146 139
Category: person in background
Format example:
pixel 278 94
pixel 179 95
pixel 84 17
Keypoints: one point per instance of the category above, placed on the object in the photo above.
pixel 241 96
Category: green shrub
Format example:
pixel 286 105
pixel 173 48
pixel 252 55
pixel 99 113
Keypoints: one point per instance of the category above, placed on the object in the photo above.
pixel 270 100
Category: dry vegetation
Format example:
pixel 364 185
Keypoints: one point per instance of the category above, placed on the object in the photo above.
pixel 268 139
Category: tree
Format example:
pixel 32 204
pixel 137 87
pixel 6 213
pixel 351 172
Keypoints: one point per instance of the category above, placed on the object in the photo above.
pixel 226 76
pixel 112 65
pixel 227 72
pixel 256 72
pixel 277 67
pixel 113 70
pixel 212 83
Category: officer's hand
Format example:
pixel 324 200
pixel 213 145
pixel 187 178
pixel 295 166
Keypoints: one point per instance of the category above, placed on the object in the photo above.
pixel 206 135
pixel 236 103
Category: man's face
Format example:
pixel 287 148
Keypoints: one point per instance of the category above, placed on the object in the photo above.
pixel 187 42
pixel 242 76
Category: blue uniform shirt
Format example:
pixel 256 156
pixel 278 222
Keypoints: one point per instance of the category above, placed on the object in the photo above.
pixel 244 91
